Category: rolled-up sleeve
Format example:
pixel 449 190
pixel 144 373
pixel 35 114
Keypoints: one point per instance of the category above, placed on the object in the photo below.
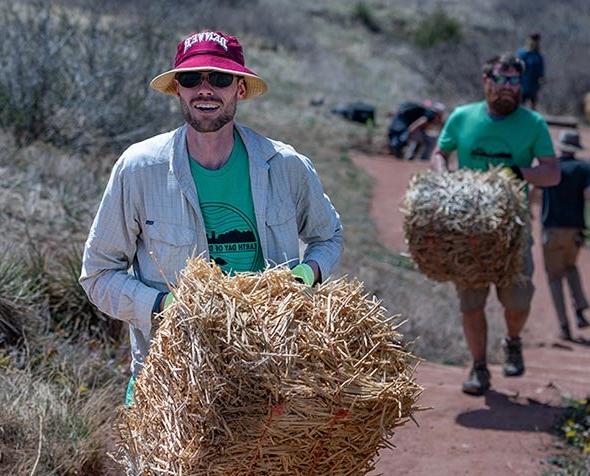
pixel 318 222
pixel 109 253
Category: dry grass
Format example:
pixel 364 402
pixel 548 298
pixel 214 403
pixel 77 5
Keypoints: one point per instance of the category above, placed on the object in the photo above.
pixel 257 374
pixel 56 413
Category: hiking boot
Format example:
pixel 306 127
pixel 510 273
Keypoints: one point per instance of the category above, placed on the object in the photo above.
pixel 478 381
pixel 581 320
pixel 565 333
pixel 513 364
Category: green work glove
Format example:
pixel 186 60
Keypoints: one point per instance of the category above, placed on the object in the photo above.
pixel 169 300
pixel 129 393
pixel 511 172
pixel 304 274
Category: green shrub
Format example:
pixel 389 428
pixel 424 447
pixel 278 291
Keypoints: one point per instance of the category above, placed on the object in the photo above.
pixel 365 15
pixel 71 312
pixel 574 427
pixel 438 27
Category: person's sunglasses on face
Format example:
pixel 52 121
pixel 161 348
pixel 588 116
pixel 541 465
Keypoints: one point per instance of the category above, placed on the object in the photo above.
pixel 501 79
pixel 192 79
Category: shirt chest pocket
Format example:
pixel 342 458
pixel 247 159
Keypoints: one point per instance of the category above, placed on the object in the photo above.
pixel 282 230
pixel 169 245
pixel 281 215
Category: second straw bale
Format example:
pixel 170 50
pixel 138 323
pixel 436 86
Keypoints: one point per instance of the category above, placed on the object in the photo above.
pixel 468 227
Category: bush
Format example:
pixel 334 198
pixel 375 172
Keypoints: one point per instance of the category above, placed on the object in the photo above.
pixel 74 80
pixel 365 15
pixel 574 429
pixel 437 28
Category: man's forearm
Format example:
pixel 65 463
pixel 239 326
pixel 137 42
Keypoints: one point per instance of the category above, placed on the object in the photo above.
pixel 439 161
pixel 546 174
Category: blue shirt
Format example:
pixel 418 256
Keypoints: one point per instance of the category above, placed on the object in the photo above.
pixel 534 70
pixel 563 204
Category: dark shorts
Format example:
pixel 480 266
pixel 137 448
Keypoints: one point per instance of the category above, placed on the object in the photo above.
pixel 516 297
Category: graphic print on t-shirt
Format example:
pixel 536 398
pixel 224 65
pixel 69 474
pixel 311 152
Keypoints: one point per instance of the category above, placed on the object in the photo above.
pixel 232 237
pixel 491 150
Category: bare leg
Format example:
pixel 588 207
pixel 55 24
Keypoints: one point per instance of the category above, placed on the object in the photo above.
pixel 476 333
pixel 515 321
pixel 573 278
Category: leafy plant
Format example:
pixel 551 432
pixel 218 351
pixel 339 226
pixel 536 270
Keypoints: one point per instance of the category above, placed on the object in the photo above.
pixel 71 311
pixel 574 427
pixel 435 28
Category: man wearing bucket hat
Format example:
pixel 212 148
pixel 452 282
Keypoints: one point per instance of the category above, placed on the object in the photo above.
pixel 563 230
pixel 211 187
pixel 491 133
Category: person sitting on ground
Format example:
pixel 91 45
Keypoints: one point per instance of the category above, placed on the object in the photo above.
pixel 408 129
pixel 563 229
pixel 491 133
pixel 534 71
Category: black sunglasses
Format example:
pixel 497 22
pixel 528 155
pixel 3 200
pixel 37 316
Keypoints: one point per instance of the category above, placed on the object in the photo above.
pixel 192 79
pixel 501 79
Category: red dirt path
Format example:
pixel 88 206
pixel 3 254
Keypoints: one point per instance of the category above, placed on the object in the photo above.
pixel 506 432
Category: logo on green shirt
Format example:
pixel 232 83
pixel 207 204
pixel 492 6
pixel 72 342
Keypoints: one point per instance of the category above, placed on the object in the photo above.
pixel 232 237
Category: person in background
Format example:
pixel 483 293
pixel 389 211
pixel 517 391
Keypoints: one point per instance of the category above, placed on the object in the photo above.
pixel 563 230
pixel 213 188
pixel 491 133
pixel 534 72
pixel 408 131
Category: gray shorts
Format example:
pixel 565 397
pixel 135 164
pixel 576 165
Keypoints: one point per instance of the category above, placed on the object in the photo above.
pixel 516 297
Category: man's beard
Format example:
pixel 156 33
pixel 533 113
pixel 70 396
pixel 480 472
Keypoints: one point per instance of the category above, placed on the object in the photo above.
pixel 503 104
pixel 208 124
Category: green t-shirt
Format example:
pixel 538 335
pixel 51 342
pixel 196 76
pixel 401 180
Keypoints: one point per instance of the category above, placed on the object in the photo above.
pixel 482 141
pixel 226 203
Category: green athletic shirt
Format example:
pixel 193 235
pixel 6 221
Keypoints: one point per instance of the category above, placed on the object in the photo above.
pixel 225 198
pixel 482 141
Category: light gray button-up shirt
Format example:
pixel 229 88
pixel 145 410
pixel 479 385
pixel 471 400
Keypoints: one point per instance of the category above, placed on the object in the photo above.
pixel 149 223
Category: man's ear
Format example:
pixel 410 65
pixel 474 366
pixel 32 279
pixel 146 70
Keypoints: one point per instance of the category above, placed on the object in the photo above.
pixel 177 86
pixel 242 88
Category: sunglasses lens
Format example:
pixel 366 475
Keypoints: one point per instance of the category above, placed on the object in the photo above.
pixel 194 78
pixel 190 79
pixel 499 79
pixel 220 80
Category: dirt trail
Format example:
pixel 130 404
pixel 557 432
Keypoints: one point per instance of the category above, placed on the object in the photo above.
pixel 507 431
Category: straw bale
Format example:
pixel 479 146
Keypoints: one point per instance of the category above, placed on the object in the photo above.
pixel 467 227
pixel 257 374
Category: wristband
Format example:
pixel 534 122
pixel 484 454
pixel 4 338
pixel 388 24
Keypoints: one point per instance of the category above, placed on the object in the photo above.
pixel 158 302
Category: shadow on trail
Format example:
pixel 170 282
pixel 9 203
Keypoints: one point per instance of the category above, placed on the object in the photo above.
pixel 506 413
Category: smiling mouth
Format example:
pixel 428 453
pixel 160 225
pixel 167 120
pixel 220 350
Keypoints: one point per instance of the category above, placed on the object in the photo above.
pixel 206 106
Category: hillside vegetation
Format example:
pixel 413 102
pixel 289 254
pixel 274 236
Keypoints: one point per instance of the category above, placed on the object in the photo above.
pixel 73 95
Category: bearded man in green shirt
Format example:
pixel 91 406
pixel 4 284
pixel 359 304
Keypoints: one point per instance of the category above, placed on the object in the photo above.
pixel 491 133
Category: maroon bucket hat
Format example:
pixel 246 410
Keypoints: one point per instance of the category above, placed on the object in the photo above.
pixel 210 51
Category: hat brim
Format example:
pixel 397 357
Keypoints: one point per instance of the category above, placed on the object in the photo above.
pixel 255 86
pixel 569 147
